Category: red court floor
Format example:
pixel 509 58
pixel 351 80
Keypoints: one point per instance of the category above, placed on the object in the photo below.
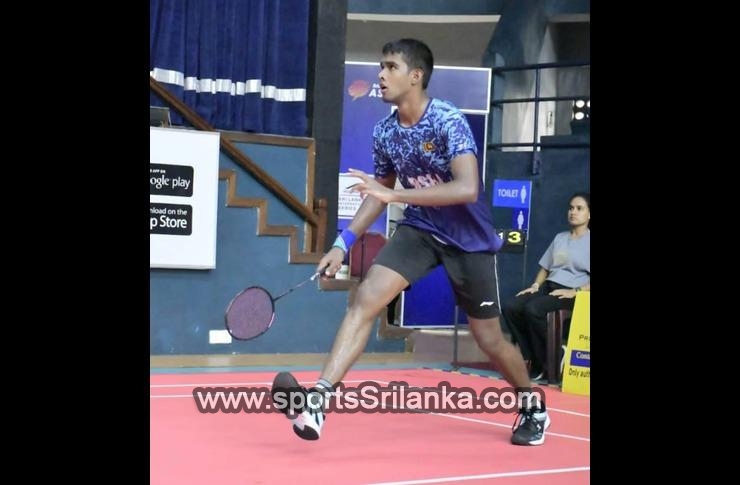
pixel 190 447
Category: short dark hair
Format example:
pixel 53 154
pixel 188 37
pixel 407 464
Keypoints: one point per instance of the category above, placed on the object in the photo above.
pixel 415 53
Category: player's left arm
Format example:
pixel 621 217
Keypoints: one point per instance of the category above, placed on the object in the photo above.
pixel 462 189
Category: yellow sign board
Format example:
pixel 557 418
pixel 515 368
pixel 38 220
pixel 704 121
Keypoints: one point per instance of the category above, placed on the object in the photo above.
pixel 577 370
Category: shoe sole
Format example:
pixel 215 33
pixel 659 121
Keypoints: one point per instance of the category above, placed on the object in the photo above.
pixel 306 433
pixel 308 424
pixel 303 427
pixel 285 382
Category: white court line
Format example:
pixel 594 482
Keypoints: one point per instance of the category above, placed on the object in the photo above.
pixel 565 411
pixel 489 475
pixel 502 425
pixel 442 415
pixel 165 396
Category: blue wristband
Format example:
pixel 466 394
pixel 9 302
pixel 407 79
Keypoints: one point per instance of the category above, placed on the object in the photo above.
pixel 345 240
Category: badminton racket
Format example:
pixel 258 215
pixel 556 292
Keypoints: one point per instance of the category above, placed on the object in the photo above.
pixel 252 311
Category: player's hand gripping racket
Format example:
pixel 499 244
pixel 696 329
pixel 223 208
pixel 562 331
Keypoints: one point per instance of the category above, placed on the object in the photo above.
pixel 251 312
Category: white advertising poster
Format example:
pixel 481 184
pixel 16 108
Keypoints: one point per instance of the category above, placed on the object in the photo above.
pixel 347 202
pixel 183 198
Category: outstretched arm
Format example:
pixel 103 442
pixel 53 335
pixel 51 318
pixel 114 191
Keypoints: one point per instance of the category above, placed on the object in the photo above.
pixel 462 189
pixel 372 206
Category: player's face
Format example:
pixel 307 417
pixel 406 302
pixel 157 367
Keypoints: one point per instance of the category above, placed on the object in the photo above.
pixel 395 78
pixel 578 212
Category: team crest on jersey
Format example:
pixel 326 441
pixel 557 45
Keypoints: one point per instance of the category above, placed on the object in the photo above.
pixel 428 146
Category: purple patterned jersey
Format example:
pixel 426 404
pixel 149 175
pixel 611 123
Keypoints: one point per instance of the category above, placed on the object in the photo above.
pixel 420 156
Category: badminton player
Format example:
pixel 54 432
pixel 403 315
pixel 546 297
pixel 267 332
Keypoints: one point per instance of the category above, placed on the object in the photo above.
pixel 428 146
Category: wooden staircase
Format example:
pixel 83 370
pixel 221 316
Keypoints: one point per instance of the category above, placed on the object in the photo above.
pixel 313 212
pixel 295 255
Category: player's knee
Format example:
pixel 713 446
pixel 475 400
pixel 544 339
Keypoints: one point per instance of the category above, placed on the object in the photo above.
pixel 497 344
pixel 369 296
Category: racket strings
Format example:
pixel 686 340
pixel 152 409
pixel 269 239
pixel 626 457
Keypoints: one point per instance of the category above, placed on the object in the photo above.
pixel 250 314
pixel 252 311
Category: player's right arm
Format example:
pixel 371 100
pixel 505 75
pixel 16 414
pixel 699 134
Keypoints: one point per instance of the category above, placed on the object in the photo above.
pixel 369 210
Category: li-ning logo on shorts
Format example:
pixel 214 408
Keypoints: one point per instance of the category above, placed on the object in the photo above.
pixel 487 303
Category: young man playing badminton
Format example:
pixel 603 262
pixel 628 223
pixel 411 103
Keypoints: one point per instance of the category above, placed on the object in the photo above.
pixel 428 146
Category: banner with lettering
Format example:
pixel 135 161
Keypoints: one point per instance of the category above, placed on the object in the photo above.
pixel 577 370
pixel 183 194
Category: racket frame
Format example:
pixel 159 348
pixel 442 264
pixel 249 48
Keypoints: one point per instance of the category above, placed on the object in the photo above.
pixel 235 299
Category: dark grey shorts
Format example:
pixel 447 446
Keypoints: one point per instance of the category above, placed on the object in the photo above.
pixel 413 253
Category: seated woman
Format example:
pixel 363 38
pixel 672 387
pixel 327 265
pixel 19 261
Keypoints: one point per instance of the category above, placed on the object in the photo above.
pixel 565 269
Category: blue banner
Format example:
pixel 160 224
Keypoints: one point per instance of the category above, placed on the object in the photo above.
pixel 363 107
pixel 580 358
pixel 512 193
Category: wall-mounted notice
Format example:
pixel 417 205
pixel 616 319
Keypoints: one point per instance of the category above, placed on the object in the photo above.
pixel 183 195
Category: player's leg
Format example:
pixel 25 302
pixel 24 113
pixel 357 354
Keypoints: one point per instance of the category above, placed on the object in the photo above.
pixel 473 276
pixel 502 354
pixel 533 419
pixel 402 258
pixel 378 288
pixel 405 258
pixel 306 406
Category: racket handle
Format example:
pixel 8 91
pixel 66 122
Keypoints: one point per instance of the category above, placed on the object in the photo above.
pixel 320 273
pixel 298 285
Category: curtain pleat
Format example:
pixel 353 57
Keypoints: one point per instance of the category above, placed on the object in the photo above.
pixel 240 64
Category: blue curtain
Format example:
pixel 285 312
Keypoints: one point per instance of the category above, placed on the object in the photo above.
pixel 240 64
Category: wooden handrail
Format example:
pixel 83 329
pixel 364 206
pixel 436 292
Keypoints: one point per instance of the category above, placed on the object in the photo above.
pixel 255 170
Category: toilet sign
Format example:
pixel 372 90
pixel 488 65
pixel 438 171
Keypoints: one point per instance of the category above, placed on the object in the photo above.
pixel 516 195
pixel 512 193
pixel 520 219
